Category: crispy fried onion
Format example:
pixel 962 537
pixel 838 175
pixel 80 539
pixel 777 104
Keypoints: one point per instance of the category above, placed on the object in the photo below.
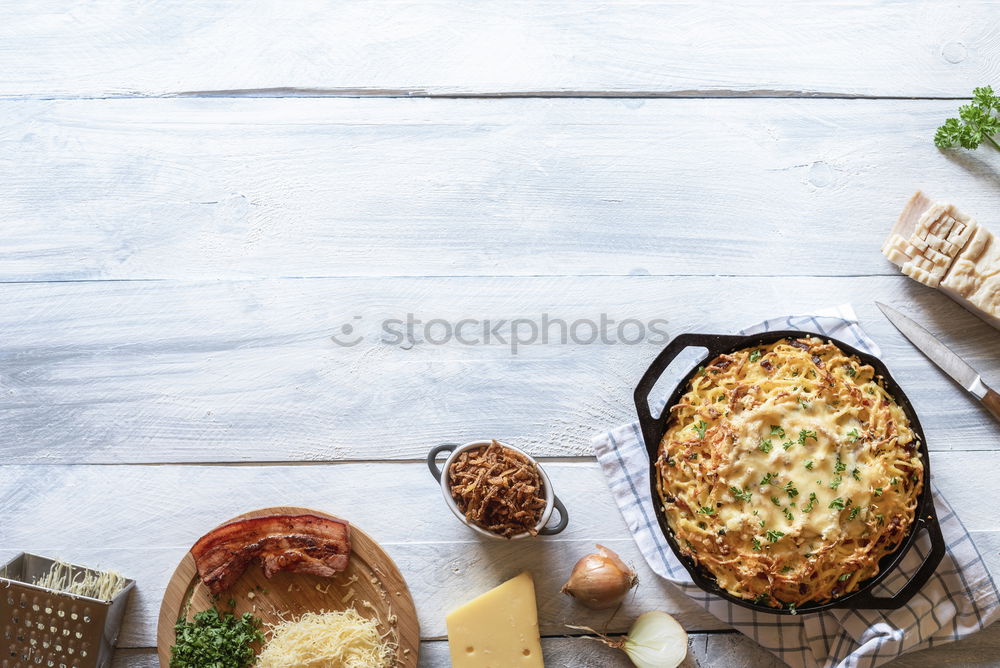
pixel 498 489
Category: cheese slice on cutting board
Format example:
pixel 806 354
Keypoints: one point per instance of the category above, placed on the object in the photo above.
pixel 497 630
pixel 939 246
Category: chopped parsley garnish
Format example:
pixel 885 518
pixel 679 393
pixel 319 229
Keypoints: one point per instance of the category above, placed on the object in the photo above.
pixel 774 536
pixel 854 512
pixel 804 404
pixel 706 510
pixel 742 494
pixel 878 491
pixel 756 544
pixel 215 639
pixel 722 532
pixel 835 483
pixel 809 465
pixel 790 488
pixel 788 515
pixel 893 482
pixel 791 609
pixel 701 371
pixel 768 477
pixel 775 501
pixel 881 520
pixel 806 434
pixel 845 576
pixel 839 466
pixel 853 435
pixel 856 474
pixel 700 428
pixel 838 504
pixel 786 569
pixel 761 598
pixel 850 371
pixel 787 444
pixel 755 355
pixel 811 504
pixel 777 431
pixel 765 446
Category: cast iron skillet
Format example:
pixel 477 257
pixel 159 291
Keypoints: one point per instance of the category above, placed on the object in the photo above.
pixel 653 429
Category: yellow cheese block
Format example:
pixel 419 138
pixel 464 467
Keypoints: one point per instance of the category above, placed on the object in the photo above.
pixel 497 630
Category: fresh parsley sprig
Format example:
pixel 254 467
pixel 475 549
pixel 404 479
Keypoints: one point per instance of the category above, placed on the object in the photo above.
pixel 975 122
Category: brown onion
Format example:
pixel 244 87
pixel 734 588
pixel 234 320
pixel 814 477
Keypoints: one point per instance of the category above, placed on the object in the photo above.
pixel 601 580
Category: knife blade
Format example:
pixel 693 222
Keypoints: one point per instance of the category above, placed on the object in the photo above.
pixel 957 369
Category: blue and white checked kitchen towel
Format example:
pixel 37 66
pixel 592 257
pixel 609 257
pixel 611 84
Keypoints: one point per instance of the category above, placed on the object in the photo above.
pixel 959 599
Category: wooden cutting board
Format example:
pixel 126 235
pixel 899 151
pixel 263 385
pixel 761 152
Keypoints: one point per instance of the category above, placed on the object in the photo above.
pixel 371 584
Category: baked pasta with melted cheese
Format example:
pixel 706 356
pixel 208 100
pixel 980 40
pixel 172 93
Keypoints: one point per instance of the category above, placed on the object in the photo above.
pixel 788 471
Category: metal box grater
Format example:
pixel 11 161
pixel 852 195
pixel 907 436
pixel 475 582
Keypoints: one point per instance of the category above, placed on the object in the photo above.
pixel 43 628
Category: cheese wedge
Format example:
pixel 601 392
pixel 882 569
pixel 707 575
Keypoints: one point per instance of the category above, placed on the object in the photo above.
pixel 935 244
pixel 497 630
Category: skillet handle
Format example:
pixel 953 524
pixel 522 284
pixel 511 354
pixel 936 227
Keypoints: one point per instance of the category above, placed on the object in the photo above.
pixel 868 601
pixel 715 343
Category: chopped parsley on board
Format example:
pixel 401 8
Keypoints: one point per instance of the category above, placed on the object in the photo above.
pixel 219 640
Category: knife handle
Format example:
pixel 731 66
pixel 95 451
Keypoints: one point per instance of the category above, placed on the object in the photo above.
pixel 992 402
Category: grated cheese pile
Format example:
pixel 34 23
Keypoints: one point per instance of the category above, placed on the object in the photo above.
pixel 60 577
pixel 327 640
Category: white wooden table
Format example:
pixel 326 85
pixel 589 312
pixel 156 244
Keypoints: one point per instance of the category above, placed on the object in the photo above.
pixel 197 196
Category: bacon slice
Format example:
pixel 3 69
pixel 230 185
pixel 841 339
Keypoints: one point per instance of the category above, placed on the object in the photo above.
pixel 297 543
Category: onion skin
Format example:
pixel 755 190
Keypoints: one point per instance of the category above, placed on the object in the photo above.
pixel 600 581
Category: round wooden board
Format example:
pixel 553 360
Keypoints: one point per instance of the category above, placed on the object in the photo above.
pixel 371 574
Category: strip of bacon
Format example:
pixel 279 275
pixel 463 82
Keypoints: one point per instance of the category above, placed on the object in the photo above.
pixel 296 543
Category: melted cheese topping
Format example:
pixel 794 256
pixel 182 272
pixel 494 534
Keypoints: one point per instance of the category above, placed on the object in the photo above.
pixel 788 472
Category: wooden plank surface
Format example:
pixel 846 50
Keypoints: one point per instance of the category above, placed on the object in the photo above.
pixel 443 562
pixel 560 47
pixel 704 651
pixel 173 270
pixel 209 188
pixel 730 650
pixel 249 371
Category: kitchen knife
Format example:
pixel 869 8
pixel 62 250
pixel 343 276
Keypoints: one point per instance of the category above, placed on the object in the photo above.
pixel 947 361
